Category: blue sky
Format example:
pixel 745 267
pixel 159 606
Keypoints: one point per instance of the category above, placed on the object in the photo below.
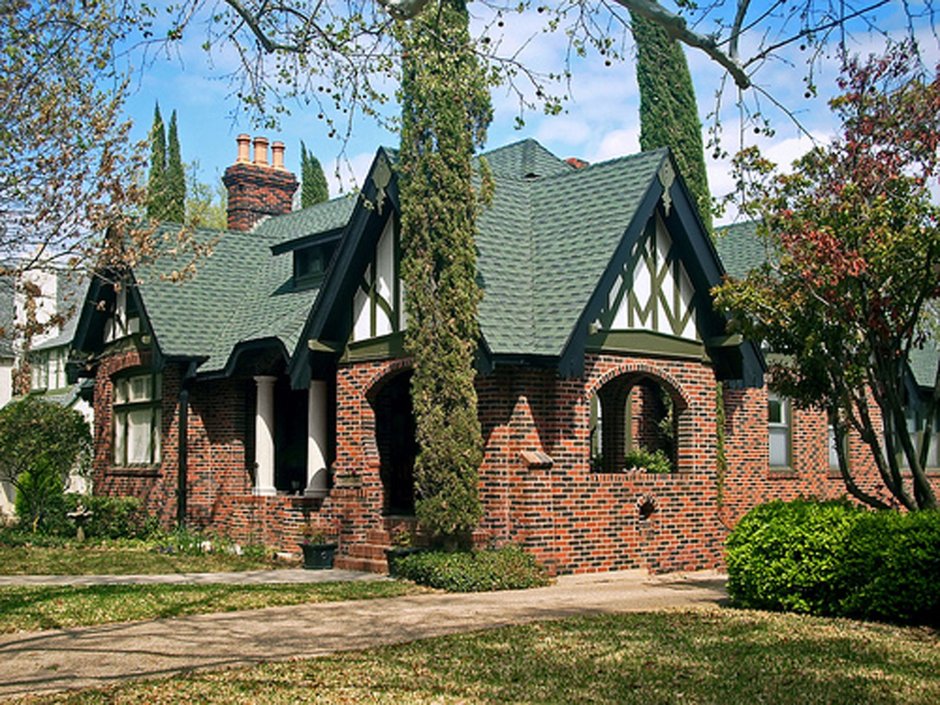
pixel 601 120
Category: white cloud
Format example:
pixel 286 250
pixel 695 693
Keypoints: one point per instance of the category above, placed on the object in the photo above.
pixel 617 143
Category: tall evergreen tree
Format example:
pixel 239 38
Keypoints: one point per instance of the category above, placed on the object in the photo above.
pixel 313 188
pixel 156 183
pixel 445 113
pixel 668 109
pixel 175 177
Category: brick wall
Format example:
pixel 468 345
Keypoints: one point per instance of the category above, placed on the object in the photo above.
pixel 571 517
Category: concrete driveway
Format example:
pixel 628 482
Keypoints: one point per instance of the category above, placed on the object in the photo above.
pixel 35 662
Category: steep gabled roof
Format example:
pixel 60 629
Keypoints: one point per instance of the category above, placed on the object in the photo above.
pixel 544 244
pixel 238 294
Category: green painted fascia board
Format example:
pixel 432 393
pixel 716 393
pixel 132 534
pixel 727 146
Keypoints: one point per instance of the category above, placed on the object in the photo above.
pixel 644 342
pixel 338 285
pixel 385 347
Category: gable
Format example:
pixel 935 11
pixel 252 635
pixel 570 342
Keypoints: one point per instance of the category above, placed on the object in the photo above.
pixel 378 302
pixel 653 291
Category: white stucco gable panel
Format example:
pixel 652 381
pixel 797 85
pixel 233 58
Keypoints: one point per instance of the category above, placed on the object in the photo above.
pixel 655 292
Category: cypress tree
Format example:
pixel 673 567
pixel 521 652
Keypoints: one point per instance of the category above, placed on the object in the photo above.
pixel 445 113
pixel 313 188
pixel 175 177
pixel 668 109
pixel 156 182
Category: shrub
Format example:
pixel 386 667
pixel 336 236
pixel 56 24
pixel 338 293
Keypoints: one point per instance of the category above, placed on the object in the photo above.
pixel 651 461
pixel 114 517
pixel 836 559
pixel 891 568
pixel 508 568
pixel 40 444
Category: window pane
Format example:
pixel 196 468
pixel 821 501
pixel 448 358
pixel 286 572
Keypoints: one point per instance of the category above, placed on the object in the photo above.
pixel 119 431
pixel 779 448
pixel 138 436
pixel 156 433
pixel 833 455
pixel 774 410
pixel 140 388
pixel 121 391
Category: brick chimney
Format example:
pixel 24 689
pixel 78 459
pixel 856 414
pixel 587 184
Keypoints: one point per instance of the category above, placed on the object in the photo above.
pixel 256 186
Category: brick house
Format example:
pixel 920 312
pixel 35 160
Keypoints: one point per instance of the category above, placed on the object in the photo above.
pixel 271 391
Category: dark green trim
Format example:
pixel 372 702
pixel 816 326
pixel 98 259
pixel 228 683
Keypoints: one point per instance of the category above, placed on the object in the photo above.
pixel 571 363
pixel 645 342
pixel 725 341
pixel 314 239
pixel 326 346
pixel 384 347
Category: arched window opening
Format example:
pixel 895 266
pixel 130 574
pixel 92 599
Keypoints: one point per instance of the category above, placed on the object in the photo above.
pixel 635 424
pixel 395 439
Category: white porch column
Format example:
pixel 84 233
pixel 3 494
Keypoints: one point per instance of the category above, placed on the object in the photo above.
pixel 264 436
pixel 316 440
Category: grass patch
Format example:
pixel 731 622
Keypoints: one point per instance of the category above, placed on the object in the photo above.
pixel 670 657
pixel 49 607
pixel 120 558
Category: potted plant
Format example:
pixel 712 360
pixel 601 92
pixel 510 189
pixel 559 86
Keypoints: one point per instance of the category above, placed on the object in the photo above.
pixel 318 547
pixel 402 545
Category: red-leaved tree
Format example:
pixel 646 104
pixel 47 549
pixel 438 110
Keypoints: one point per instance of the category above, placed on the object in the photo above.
pixel 853 268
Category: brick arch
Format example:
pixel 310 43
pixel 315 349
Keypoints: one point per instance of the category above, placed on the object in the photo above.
pixel 384 375
pixel 613 390
pixel 637 367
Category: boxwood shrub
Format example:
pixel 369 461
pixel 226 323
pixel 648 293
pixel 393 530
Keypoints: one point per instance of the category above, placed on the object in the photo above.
pixel 507 568
pixel 833 558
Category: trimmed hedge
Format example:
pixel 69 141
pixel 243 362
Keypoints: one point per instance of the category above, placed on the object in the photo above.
pixel 508 568
pixel 836 559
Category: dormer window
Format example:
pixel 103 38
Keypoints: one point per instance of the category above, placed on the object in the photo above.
pixel 310 264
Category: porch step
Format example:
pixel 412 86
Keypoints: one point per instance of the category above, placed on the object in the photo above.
pixel 369 565
pixel 370 551
pixel 379 537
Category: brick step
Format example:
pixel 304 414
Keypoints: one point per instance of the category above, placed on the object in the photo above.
pixel 366 550
pixel 368 565
pixel 379 537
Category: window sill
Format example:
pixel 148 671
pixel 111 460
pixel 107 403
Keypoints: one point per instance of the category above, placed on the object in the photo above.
pixel 142 471
pixel 782 474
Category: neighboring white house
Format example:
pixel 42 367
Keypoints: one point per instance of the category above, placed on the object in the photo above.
pixel 57 293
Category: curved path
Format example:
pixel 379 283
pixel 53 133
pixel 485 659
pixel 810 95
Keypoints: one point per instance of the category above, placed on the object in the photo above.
pixel 34 662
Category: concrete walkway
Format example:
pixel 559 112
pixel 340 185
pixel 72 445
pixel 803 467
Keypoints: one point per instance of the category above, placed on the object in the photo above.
pixel 37 662
pixel 248 577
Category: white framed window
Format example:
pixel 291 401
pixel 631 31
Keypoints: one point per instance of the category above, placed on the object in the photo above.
pixel 137 415
pixel 778 425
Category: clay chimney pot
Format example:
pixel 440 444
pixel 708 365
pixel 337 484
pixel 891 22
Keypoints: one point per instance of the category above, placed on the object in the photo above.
pixel 277 155
pixel 261 151
pixel 244 149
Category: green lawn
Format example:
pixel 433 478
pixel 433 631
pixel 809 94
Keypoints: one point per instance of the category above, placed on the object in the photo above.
pixel 120 558
pixel 722 657
pixel 47 607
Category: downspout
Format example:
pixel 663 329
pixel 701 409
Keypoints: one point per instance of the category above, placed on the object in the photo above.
pixel 183 440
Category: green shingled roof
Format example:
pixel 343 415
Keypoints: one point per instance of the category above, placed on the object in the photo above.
pixel 740 248
pixel 547 238
pixel 544 242
pixel 240 293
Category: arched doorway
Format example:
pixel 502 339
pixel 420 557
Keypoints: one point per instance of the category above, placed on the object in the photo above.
pixel 395 438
